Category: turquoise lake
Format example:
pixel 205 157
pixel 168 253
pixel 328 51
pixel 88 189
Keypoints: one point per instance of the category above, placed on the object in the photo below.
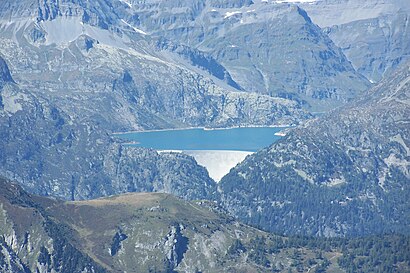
pixel 237 139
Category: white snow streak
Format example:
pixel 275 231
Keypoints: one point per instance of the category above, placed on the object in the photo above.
pixel 231 13
pixel 134 28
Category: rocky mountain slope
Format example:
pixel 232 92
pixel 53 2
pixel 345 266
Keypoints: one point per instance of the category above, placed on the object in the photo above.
pixel 93 64
pixel 50 153
pixel 72 72
pixel 77 71
pixel 152 232
pixel 346 173
pixel 143 232
pixel 269 48
pixel 373 34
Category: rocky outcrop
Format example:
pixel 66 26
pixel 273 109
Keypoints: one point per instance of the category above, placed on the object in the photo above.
pixel 373 34
pixel 267 48
pixel 118 77
pixel 116 242
pixel 51 153
pixel 9 261
pixel 145 232
pixel 176 245
pixel 376 46
pixel 5 75
pixel 31 241
pixel 346 173
pixel 198 59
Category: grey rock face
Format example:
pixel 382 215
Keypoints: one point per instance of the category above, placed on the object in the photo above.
pixel 120 69
pixel 266 47
pixel 375 46
pixel 327 13
pixel 199 59
pixel 347 173
pixel 147 171
pixel 51 153
pixel 5 75
pixel 77 81
pixel 82 162
pixel 9 260
pixel 373 34
pixel 175 246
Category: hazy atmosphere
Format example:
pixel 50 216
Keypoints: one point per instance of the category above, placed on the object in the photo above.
pixel 204 136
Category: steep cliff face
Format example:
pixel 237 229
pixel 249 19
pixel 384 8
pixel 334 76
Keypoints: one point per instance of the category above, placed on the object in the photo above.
pixel 52 153
pixel 240 45
pixel 267 48
pixel 33 242
pixel 77 71
pixel 375 46
pixel 82 161
pixel 347 173
pixel 122 77
pixel 126 92
pixel 373 34
pixel 5 76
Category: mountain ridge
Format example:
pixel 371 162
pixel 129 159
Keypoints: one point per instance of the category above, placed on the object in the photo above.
pixel 78 236
pixel 344 174
pixel 249 41
pixel 156 232
pixel 372 34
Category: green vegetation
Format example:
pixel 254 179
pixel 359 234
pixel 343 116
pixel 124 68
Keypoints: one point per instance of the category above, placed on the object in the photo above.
pixel 152 232
pixel 388 253
pixel 376 254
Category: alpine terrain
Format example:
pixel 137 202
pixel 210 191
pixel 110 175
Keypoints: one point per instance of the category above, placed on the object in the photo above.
pixel 346 173
pixel 373 34
pixel 331 195
pixel 154 232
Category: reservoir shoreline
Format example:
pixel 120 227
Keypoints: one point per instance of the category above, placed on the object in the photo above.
pixel 203 128
pixel 218 150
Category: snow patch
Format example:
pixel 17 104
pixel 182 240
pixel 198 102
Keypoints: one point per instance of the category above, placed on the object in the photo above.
pixel 127 3
pixel 231 13
pixel 62 30
pixel 134 28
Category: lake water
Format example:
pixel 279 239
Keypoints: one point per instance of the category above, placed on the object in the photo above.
pixel 248 139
